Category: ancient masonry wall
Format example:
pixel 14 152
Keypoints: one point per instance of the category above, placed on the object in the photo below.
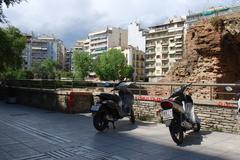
pixel 213 117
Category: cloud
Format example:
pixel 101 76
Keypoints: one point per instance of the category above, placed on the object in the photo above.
pixel 70 20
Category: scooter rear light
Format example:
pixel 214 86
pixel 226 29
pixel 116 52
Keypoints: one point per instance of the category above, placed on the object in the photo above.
pixel 166 105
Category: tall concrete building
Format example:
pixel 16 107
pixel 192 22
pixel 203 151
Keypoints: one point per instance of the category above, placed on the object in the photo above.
pixel 101 41
pixel 164 47
pixel 82 45
pixel 43 47
pixel 135 58
pixel 136 36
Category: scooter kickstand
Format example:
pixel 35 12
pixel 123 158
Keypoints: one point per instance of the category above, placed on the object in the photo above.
pixel 113 125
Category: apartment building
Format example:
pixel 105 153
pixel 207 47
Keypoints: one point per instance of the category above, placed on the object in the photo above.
pixel 164 47
pixel 101 41
pixel 42 47
pixel 67 60
pixel 135 58
pixel 136 36
pixel 82 45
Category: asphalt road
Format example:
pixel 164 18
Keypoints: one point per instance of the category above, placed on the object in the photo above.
pixel 28 133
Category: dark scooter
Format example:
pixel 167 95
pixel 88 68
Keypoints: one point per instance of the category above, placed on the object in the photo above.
pixel 112 107
pixel 178 114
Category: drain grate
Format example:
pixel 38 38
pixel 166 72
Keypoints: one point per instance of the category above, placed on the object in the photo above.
pixel 60 154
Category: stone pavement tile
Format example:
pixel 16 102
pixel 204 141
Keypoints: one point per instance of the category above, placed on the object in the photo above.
pixel 6 141
pixel 111 149
pixel 231 156
pixel 46 148
pixel 5 156
pixel 143 147
pixel 199 156
pixel 26 139
pixel 18 153
pixel 35 143
pixel 128 154
pixel 76 158
pixel 10 147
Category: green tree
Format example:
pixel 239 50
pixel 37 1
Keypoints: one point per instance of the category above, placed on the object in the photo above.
pixel 128 73
pixel 12 43
pixel 83 64
pixel 7 3
pixel 47 69
pixel 112 66
pixel 50 67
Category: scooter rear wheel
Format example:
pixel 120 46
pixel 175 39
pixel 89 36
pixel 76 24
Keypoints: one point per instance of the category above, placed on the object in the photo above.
pixel 176 132
pixel 99 121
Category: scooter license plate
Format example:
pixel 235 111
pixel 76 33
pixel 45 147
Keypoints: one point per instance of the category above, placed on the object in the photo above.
pixel 167 114
pixel 95 107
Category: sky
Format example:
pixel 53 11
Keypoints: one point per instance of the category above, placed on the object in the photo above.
pixel 71 20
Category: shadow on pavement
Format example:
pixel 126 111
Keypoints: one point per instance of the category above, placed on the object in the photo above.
pixel 194 138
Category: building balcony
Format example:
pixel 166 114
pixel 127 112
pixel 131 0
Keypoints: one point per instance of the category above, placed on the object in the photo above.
pixel 178 42
pixel 40 48
pixel 150 60
pixel 172 52
pixel 178 45
pixel 165 52
pixel 165 66
pixel 99 41
pixel 150 66
pixel 164 59
pixel 165 44
pixel 179 50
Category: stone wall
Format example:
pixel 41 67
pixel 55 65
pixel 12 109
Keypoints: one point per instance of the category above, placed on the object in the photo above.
pixel 55 100
pixel 213 116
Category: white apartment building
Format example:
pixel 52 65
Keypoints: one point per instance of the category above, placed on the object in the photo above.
pixel 135 58
pixel 82 45
pixel 101 41
pixel 136 36
pixel 164 47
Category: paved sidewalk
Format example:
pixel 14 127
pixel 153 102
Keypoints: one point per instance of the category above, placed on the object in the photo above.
pixel 28 133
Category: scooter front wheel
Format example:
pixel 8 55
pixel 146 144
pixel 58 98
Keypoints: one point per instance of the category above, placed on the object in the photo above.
pixel 99 121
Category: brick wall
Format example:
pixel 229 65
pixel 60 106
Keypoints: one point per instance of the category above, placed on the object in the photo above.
pixel 213 116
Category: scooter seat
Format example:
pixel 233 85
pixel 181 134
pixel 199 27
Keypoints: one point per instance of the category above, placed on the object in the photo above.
pixel 107 96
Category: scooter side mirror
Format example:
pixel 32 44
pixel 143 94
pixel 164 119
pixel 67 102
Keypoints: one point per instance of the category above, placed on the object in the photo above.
pixel 228 88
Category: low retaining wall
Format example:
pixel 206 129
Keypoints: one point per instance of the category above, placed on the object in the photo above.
pixel 58 100
pixel 215 116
